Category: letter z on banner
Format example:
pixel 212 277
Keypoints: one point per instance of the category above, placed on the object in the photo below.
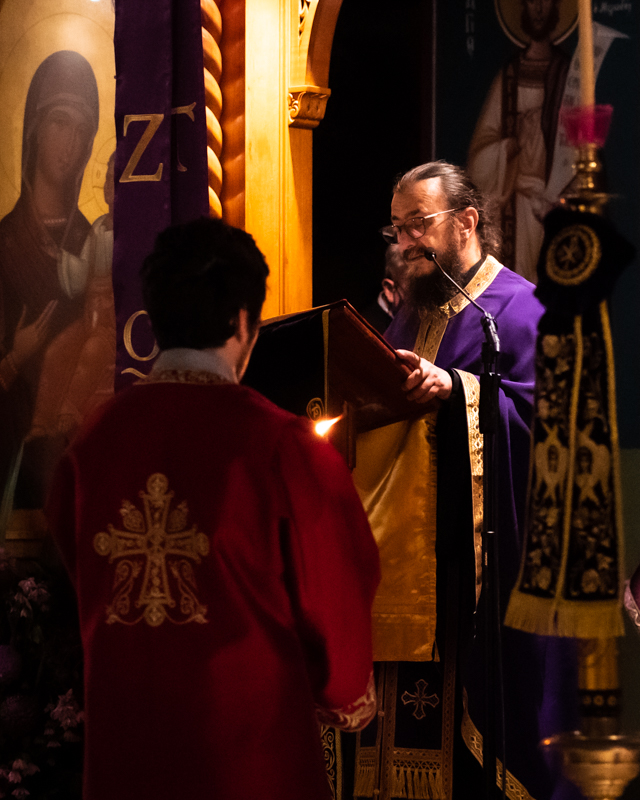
pixel 161 155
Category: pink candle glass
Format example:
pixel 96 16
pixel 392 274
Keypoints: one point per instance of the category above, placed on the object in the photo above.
pixel 586 124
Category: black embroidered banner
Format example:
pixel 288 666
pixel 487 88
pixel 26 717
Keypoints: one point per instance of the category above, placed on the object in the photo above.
pixel 572 567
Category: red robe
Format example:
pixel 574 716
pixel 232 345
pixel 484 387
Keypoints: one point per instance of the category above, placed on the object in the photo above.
pixel 225 573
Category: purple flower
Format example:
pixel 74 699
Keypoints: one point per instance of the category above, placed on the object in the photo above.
pixel 36 592
pixel 27 767
pixel 31 594
pixel 67 712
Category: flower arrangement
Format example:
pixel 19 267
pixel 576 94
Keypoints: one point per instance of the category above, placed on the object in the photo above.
pixel 41 719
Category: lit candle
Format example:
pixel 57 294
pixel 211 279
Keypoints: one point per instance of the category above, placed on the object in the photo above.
pixel 587 80
pixel 324 426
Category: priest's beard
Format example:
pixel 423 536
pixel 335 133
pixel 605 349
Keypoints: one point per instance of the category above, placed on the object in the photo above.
pixel 428 291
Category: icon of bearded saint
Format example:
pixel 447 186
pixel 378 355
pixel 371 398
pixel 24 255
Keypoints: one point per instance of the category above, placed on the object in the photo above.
pixel 37 305
pixel 511 155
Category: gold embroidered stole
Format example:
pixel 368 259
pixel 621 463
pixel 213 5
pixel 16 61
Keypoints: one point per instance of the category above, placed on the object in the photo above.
pixel 397 480
pixel 396 477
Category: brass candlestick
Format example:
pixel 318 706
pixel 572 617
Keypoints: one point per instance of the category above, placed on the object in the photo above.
pixel 599 687
pixel 586 192
pixel 601 767
pixel 597 758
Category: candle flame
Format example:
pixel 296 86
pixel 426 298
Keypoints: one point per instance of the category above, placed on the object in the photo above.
pixel 324 426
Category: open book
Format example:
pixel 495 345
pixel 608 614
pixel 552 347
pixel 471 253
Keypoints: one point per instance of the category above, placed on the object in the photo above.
pixel 329 361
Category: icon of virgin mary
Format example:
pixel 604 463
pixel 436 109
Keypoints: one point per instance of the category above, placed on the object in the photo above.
pixel 38 298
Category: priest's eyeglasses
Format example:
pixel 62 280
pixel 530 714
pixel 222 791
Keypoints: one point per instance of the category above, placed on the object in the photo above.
pixel 415 227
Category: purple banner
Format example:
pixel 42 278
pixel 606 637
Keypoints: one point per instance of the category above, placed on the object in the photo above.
pixel 161 155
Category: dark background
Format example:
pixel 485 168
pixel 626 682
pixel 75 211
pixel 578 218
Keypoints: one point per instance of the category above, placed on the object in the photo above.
pixel 373 130
pixel 378 124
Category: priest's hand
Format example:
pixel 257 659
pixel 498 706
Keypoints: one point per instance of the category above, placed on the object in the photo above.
pixel 426 382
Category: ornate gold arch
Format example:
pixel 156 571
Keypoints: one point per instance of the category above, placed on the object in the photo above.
pixel 309 92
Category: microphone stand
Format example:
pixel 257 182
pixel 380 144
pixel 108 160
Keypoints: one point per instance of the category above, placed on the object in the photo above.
pixel 489 419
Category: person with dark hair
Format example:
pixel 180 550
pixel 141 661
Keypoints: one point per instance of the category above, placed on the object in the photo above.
pixel 194 298
pixel 421 482
pixel 223 563
pixel 391 297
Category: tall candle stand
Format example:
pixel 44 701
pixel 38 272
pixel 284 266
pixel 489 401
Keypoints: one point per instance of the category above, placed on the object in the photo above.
pixel 598 759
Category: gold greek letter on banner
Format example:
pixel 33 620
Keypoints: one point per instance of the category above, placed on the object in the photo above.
pixel 128 342
pixel 154 121
pixel 188 110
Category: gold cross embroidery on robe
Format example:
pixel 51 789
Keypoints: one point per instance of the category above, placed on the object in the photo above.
pixel 420 699
pixel 144 548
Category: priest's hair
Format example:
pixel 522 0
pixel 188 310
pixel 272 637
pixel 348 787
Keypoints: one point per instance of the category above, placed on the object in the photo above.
pixel 197 278
pixel 459 192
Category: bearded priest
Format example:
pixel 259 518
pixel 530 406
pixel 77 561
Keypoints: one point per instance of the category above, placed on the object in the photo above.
pixel 421 483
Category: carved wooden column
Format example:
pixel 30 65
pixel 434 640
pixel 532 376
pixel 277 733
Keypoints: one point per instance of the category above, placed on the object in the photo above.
pixel 233 112
pixel 275 56
pixel 312 27
pixel 211 36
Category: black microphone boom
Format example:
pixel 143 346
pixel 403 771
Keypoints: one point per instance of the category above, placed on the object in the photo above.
pixel 430 255
pixel 489 423
pixel 488 320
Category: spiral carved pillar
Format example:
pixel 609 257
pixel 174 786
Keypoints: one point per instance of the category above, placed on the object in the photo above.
pixel 211 36
pixel 233 113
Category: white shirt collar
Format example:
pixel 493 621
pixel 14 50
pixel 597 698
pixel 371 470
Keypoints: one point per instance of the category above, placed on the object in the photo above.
pixel 184 358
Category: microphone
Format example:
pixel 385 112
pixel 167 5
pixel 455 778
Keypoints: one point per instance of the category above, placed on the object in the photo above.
pixel 430 255
pixel 489 321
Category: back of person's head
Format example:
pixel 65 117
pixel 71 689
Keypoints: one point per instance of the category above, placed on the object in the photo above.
pixel 459 191
pixel 394 265
pixel 197 278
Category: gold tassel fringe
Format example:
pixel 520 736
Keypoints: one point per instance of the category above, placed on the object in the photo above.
pixel 417 784
pixel 595 620
pixel 365 781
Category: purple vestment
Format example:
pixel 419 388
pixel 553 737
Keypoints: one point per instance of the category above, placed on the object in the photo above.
pixel 539 673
